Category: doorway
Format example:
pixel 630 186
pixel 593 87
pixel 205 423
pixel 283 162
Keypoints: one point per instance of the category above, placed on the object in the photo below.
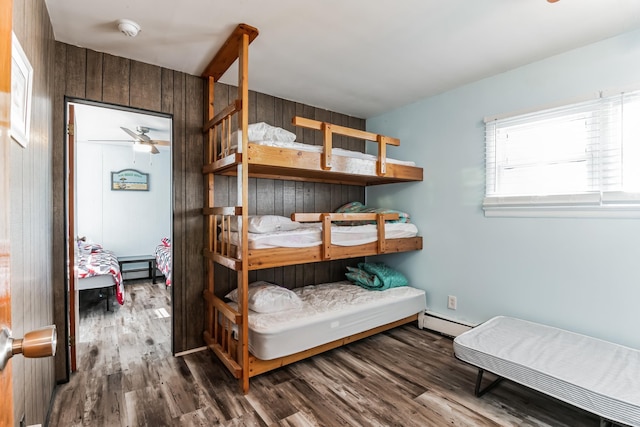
pixel 119 214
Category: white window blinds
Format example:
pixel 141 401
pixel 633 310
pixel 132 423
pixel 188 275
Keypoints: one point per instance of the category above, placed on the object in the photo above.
pixel 583 154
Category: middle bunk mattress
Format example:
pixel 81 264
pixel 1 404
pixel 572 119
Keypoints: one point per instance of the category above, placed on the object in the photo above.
pixel 291 321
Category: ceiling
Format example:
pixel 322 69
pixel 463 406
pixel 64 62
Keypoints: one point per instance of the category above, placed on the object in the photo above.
pixel 102 125
pixel 357 57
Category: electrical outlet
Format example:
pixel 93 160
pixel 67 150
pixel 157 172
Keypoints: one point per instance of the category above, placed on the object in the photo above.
pixel 452 302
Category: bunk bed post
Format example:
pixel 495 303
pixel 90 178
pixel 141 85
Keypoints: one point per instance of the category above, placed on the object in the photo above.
pixel 210 156
pixel 327 143
pixel 243 195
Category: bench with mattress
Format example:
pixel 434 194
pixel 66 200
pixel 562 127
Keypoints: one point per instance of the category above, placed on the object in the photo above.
pixel 595 375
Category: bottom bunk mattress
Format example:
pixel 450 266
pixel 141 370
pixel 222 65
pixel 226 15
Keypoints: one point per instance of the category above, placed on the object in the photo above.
pixel 592 374
pixel 329 312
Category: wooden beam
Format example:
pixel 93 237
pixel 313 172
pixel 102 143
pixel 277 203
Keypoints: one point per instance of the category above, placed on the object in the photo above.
pixel 228 53
pixel 342 130
pixel 226 210
pixel 228 110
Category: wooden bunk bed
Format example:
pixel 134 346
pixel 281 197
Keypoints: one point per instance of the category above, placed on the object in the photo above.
pixel 226 326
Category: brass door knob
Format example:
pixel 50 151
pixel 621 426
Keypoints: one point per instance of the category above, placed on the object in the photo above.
pixel 39 343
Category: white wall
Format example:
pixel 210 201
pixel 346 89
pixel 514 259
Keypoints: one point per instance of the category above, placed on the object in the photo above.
pixel 576 273
pixel 126 222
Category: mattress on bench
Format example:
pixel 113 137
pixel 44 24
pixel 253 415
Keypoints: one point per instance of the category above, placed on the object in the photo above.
pixel 592 374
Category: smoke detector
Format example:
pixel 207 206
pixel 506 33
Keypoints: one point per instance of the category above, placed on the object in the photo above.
pixel 128 27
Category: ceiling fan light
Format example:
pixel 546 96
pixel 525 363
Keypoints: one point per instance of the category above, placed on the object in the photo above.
pixel 142 148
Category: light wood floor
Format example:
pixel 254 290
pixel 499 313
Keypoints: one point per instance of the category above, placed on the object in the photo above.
pixel 404 377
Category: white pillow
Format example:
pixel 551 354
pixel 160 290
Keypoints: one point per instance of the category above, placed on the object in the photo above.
pixel 278 134
pixel 264 132
pixel 265 297
pixel 266 224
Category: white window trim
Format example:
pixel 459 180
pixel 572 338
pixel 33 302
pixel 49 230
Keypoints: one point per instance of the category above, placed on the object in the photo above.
pixel 612 204
pixel 595 205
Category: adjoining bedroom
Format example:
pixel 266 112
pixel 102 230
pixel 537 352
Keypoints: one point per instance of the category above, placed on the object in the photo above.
pixel 122 222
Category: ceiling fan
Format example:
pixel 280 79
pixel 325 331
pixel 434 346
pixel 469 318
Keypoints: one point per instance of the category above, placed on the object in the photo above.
pixel 142 141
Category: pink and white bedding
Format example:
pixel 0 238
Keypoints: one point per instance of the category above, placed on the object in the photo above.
pixel 163 259
pixel 94 261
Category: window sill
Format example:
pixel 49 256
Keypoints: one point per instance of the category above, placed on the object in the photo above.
pixel 602 211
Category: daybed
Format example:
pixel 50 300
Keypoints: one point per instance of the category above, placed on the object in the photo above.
pixel 232 150
pixel 595 375
pixel 98 268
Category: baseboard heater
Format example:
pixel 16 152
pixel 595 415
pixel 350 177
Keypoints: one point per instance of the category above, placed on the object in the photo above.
pixel 438 323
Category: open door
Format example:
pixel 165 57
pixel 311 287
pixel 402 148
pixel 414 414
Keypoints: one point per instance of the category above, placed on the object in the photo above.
pixel 6 382
pixel 41 343
pixel 104 142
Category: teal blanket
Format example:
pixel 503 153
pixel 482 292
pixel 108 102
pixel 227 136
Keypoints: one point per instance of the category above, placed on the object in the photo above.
pixel 376 276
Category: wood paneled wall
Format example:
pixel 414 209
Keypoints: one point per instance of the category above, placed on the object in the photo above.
pixel 31 216
pixel 86 74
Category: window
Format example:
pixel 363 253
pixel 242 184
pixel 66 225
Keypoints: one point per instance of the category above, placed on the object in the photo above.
pixel 578 159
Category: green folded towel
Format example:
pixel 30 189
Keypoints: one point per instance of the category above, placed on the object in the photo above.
pixel 376 276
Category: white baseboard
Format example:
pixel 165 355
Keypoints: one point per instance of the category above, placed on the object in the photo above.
pixel 438 323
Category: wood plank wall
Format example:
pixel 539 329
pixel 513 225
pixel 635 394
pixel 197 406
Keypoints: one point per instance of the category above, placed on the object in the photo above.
pixel 31 216
pixel 86 74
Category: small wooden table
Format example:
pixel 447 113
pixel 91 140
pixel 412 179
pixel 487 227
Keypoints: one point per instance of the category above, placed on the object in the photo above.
pixel 132 259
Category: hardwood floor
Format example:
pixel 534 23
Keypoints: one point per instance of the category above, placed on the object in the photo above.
pixel 404 377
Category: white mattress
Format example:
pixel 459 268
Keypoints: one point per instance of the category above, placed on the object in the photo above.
pixel 311 235
pixel 330 311
pixel 337 151
pixel 595 375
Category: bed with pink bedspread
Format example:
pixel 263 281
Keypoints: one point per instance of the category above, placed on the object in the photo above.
pixel 98 268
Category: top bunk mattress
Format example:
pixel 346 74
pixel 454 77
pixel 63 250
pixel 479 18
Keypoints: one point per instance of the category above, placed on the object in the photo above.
pixel 299 146
pixel 555 362
pixel 273 152
pixel 329 312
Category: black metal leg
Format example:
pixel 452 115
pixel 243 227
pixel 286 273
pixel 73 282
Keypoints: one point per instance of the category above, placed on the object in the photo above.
pixel 106 297
pixel 478 391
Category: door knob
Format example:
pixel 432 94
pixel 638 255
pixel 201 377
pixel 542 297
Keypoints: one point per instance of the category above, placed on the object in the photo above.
pixel 39 343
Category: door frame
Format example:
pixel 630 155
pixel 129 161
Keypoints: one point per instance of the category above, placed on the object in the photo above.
pixel 71 306
pixel 6 376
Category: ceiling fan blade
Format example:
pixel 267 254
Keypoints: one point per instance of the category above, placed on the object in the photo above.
pixel 154 150
pixel 136 136
pixel 131 133
pixel 161 142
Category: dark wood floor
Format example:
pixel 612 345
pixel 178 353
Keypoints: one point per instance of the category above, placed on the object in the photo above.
pixel 405 377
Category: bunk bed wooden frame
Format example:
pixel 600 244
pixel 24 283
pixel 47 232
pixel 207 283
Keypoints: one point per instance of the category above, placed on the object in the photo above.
pixel 226 329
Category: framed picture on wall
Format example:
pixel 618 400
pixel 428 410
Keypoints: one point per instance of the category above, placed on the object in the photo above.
pixel 21 87
pixel 129 180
